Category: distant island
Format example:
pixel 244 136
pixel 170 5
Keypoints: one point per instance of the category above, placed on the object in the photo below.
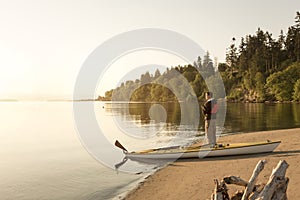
pixel 8 100
pixel 259 69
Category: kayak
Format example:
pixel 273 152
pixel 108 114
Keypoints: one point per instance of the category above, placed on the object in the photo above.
pixel 201 151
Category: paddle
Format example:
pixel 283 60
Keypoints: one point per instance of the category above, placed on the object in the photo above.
pixel 118 144
pixel 118 165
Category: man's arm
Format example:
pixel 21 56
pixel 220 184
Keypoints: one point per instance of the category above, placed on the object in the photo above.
pixel 207 107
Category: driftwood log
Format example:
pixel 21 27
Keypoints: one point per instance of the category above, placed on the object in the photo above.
pixel 220 192
pixel 275 189
pixel 259 167
pixel 235 180
pixel 277 183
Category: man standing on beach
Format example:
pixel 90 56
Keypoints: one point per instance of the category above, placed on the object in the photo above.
pixel 210 109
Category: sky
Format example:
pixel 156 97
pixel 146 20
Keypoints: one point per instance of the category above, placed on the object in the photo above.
pixel 44 43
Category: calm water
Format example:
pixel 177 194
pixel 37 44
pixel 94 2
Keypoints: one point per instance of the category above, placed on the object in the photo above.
pixel 239 117
pixel 260 117
pixel 43 157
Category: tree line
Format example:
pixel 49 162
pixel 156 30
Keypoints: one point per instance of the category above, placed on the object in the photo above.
pixel 260 68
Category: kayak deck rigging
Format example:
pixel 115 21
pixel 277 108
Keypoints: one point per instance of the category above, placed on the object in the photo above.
pixel 202 150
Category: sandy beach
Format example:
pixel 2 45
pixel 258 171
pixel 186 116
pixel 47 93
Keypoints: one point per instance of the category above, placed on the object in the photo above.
pixel 193 178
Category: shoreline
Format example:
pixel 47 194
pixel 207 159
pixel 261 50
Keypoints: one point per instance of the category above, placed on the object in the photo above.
pixel 193 178
pixel 131 186
pixel 200 101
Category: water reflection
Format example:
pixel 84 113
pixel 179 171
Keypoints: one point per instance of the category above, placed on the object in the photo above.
pixel 296 113
pixel 165 120
pixel 240 117
pixel 261 117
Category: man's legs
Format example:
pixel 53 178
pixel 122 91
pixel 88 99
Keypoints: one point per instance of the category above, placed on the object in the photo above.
pixel 210 131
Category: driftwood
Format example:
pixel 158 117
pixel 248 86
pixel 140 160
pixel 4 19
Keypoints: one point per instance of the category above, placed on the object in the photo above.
pixel 239 194
pixel 259 167
pixel 235 180
pixel 256 191
pixel 275 189
pixel 276 182
pixel 220 191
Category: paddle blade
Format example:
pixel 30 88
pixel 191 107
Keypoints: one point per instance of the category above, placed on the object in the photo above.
pixel 118 144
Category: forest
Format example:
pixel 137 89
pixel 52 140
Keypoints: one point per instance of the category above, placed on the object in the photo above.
pixel 258 68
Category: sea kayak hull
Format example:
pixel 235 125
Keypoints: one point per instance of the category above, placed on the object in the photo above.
pixel 201 152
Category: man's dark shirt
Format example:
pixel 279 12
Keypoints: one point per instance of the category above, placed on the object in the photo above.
pixel 207 109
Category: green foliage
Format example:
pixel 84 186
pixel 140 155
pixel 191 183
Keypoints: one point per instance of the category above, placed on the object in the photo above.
pixel 232 55
pixel 236 94
pixel 296 95
pixel 281 84
pixel 222 67
pixel 259 83
pixel 214 84
pixel 260 68
pixel 258 58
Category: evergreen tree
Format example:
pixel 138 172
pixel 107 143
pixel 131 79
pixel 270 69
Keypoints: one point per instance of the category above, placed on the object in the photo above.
pixel 145 78
pixel 297 36
pixel 232 56
pixel 259 68
pixel 157 74
pixel 199 63
pixel 206 60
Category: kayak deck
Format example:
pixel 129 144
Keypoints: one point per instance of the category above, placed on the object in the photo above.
pixel 205 151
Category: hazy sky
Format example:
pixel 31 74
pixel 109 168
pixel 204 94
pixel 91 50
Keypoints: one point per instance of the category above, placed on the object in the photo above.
pixel 43 43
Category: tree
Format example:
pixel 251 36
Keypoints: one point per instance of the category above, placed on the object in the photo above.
pixel 260 82
pixel 145 78
pixel 222 67
pixel 297 20
pixel 259 68
pixel 199 63
pixel 297 36
pixel 195 64
pixel 281 40
pixel 157 74
pixel 198 85
pixel 232 55
pixel 206 60
pixel 281 84
pixel 296 95
pixel 215 85
pixel 190 76
pixel 290 43
pixel 156 92
pixel 210 69
pixel 108 95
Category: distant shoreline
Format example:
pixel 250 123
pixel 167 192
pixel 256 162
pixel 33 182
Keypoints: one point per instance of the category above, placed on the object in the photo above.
pixel 109 101
pixel 45 100
pixel 228 101
pixel 9 100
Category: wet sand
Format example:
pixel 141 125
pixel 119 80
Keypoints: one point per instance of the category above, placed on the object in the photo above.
pixel 193 178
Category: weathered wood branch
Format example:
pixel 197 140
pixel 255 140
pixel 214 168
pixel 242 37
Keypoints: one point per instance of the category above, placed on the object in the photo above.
pixel 235 180
pixel 276 179
pixel 275 189
pixel 259 167
pixel 256 191
pixel 280 193
pixel 237 196
pixel 220 191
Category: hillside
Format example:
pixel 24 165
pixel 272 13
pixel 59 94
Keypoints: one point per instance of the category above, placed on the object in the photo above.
pixel 260 68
